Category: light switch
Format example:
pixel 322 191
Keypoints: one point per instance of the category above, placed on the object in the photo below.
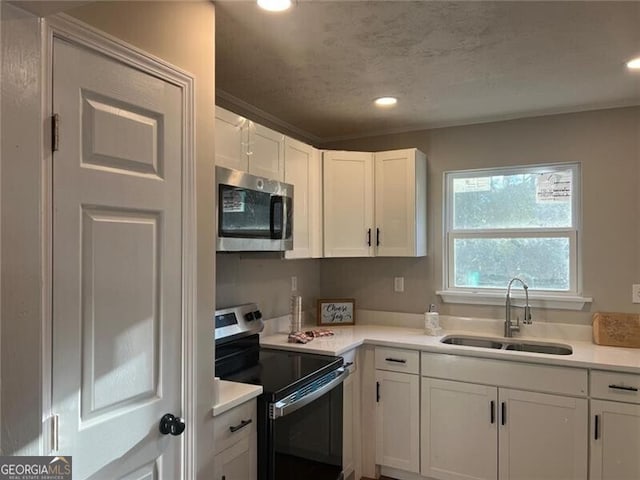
pixel 398 284
pixel 294 284
pixel 635 293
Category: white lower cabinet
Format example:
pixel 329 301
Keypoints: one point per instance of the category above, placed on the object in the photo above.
pixel 485 431
pixel 398 420
pixel 459 430
pixel 542 436
pixel 235 443
pixel 237 462
pixel 615 441
pixel 615 426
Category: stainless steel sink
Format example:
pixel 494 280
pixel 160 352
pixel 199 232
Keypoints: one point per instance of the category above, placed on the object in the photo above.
pixel 549 349
pixel 500 344
pixel 473 342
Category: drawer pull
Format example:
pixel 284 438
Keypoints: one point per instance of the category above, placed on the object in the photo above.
pixel 622 387
pixel 395 360
pixel 240 426
pixel 348 364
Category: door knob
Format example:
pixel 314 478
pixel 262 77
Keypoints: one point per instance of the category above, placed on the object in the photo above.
pixel 170 424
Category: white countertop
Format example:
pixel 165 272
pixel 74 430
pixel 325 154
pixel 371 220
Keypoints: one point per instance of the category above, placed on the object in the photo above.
pixel 232 394
pixel 585 354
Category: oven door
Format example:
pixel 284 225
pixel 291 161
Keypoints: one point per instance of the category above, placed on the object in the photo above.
pixel 306 440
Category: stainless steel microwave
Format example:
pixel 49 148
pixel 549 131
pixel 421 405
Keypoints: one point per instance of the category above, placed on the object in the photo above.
pixel 254 213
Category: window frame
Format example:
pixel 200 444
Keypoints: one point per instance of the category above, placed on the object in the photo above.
pixel 452 293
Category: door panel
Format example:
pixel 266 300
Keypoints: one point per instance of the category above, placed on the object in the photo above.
pixel 348 204
pixel 459 430
pixel 117 267
pixel 540 426
pixel 614 454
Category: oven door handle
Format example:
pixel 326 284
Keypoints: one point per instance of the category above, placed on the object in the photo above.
pixel 281 409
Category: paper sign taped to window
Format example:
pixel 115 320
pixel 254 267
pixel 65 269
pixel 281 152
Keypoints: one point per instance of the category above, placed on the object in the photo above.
pixel 233 201
pixel 553 187
pixel 474 184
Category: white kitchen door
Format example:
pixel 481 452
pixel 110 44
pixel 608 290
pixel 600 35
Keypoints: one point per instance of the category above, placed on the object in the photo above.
pixel 117 266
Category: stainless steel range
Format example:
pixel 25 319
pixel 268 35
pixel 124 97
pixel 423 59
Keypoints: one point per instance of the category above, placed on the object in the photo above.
pixel 300 409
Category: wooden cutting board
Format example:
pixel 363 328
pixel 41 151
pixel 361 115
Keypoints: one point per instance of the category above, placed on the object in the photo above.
pixel 616 329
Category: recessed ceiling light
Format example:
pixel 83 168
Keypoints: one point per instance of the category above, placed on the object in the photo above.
pixel 386 101
pixel 274 5
pixel 634 64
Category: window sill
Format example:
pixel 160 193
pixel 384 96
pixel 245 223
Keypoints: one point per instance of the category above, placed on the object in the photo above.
pixel 536 300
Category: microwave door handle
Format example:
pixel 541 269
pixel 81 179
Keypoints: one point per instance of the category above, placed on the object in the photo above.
pixel 276 201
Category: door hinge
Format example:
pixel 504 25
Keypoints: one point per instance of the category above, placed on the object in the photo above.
pixel 55 432
pixel 55 132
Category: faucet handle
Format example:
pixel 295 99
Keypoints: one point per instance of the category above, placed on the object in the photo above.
pixel 527 315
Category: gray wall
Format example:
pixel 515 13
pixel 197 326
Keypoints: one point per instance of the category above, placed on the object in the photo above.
pixel 605 142
pixel 265 278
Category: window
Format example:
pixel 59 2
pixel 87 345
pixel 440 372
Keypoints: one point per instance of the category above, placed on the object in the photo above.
pixel 507 222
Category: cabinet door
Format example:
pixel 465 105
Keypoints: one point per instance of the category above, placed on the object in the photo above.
pixel 542 436
pixel 238 462
pixel 615 442
pixel 231 140
pixel 348 204
pixel 397 420
pixel 400 203
pixel 459 430
pixel 302 170
pixel 266 152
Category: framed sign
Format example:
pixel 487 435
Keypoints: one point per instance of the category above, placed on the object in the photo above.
pixel 336 311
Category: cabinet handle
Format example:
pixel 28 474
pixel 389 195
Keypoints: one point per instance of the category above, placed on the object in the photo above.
pixel 377 237
pixel 622 387
pixel 240 426
pixel 493 412
pixel 369 237
pixel 596 427
pixel 504 413
pixel 395 360
pixel 377 392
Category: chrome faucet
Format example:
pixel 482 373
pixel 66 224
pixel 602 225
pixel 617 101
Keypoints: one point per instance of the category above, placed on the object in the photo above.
pixel 509 327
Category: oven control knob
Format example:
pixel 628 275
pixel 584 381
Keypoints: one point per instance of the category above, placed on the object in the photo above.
pixel 257 314
pixel 249 316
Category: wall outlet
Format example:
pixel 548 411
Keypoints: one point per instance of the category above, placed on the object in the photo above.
pixel 294 284
pixel 398 284
pixel 635 293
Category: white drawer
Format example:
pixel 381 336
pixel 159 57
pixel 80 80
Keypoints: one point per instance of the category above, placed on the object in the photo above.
pixel 234 425
pixel 621 387
pixel 397 360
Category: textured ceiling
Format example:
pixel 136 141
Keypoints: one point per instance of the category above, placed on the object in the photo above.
pixel 319 65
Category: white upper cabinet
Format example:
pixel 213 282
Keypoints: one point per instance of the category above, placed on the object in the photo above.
pixel 245 145
pixel 302 169
pixel 348 204
pixel 231 140
pixel 401 203
pixel 265 151
pixel 375 204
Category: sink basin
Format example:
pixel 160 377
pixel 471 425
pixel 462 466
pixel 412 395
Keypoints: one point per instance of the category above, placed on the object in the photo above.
pixel 540 348
pixel 473 342
pixel 506 344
